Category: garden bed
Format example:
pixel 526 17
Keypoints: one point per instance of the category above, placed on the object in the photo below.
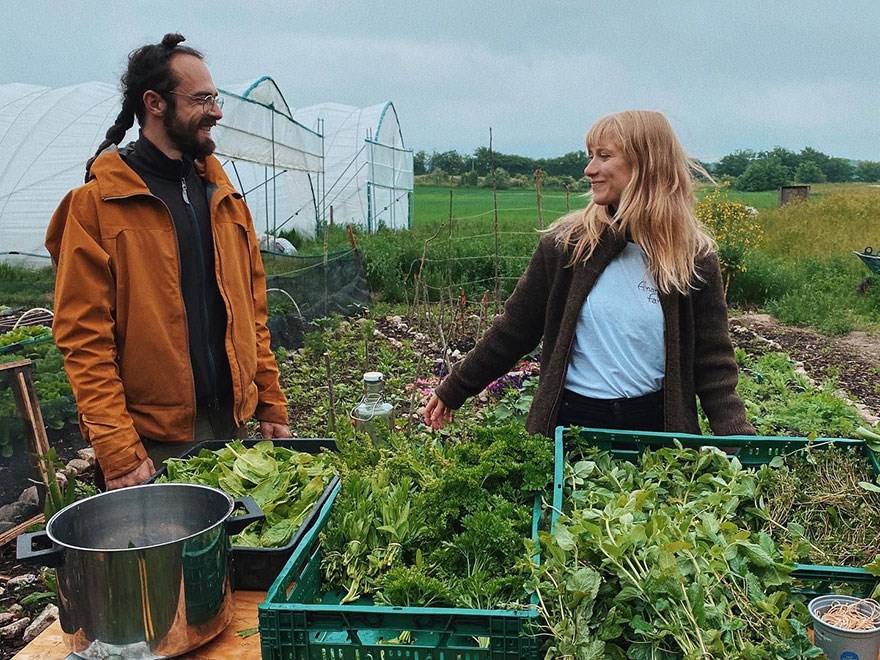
pixel 852 360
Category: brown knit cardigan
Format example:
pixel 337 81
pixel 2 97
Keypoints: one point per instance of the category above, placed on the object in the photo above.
pixel 546 304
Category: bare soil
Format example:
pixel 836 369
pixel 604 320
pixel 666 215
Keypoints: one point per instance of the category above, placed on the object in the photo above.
pixel 852 360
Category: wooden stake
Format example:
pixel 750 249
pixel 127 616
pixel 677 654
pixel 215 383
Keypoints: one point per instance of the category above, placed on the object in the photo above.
pixel 18 530
pixel 330 395
pixel 538 174
pixel 29 410
pixel 495 226
pixel 354 247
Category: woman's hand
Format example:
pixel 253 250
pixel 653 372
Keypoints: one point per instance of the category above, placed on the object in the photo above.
pixel 437 414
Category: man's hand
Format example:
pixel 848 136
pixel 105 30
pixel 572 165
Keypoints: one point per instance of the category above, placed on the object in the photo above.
pixel 272 430
pixel 437 414
pixel 134 478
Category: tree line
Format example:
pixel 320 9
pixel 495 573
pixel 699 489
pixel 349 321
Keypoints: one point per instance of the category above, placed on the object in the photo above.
pixel 483 161
pixel 767 170
pixel 745 169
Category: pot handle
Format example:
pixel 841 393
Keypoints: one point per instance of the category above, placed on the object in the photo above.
pixel 47 556
pixel 236 524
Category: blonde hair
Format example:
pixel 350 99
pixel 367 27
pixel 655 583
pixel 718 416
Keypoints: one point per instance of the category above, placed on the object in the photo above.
pixel 656 206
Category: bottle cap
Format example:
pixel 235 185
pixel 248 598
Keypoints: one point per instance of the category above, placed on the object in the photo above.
pixel 373 377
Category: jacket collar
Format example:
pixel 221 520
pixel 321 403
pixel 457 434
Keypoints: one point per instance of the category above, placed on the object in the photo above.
pixel 144 156
pixel 116 179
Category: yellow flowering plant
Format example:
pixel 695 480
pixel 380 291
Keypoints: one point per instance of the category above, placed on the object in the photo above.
pixel 734 226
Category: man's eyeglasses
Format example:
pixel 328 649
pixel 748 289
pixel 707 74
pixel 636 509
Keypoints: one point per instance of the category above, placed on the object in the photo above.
pixel 208 102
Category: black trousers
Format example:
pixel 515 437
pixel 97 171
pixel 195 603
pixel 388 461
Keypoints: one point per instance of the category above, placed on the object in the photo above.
pixel 643 413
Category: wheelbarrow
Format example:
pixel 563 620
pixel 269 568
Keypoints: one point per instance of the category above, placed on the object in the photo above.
pixel 872 261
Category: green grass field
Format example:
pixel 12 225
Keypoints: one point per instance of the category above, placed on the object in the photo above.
pixel 431 204
pixel 802 269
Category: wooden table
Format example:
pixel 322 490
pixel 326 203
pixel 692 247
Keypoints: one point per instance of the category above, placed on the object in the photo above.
pixel 49 645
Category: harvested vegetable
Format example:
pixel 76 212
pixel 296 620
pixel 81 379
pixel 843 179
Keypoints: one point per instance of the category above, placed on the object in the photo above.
pixel 285 484
pixel 657 560
pixel 823 500
pixel 420 522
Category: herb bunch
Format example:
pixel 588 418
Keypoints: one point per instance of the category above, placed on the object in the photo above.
pixel 657 560
pixel 419 522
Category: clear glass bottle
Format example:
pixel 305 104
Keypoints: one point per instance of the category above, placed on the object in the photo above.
pixel 373 411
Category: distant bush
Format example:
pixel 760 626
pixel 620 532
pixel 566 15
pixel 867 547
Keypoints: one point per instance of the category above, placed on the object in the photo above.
pixel 498 179
pixel 764 174
pixel 809 172
pixel 868 171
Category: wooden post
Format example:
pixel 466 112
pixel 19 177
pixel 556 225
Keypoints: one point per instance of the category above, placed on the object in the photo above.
pixel 495 226
pixel 538 174
pixel 330 395
pixel 449 263
pixel 324 264
pixel 29 410
pixel 353 241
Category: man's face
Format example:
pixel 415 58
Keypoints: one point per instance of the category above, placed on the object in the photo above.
pixel 187 124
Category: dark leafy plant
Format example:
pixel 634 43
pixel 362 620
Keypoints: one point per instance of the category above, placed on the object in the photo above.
pixel 657 560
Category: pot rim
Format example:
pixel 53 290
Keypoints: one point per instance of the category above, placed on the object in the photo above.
pixel 110 493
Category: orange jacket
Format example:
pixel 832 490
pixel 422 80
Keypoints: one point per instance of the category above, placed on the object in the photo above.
pixel 120 320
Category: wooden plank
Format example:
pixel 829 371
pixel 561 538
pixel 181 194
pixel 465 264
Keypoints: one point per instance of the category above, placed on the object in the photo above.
pixel 49 645
pixel 14 365
pixel 29 409
pixel 35 413
pixel 16 531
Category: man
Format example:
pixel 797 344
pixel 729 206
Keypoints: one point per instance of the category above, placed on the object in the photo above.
pixel 160 297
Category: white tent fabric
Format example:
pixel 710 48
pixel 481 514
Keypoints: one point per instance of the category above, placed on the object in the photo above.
pixel 368 171
pixel 257 127
pixel 47 135
pixel 278 177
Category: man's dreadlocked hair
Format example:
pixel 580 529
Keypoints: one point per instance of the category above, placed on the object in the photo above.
pixel 148 68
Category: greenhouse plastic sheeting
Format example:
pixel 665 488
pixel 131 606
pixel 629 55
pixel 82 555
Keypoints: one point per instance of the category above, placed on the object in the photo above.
pixel 47 135
pixel 364 154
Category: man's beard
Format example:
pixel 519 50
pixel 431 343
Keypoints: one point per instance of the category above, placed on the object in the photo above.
pixel 186 137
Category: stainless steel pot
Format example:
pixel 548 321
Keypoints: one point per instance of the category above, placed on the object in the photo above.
pixel 143 571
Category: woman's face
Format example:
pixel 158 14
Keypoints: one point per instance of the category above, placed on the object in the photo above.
pixel 609 173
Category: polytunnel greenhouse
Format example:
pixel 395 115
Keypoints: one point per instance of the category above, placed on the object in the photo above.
pixel 297 168
pixel 368 171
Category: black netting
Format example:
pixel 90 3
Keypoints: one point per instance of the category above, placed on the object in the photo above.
pixel 304 288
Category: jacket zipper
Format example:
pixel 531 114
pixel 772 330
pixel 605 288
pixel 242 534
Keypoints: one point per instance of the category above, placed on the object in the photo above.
pixel 203 308
pixel 211 190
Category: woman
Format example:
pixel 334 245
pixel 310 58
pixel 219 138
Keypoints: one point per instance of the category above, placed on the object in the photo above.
pixel 627 296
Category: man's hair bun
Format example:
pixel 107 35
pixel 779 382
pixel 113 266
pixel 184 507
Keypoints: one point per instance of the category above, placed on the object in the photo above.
pixel 171 40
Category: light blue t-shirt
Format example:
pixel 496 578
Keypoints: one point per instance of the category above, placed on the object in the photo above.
pixel 618 347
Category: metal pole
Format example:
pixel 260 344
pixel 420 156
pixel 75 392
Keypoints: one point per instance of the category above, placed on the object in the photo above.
pixel 274 178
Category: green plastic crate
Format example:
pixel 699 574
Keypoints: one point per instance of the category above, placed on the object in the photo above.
pixel 752 451
pixel 294 625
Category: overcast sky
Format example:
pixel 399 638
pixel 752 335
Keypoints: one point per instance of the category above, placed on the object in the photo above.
pixel 729 75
